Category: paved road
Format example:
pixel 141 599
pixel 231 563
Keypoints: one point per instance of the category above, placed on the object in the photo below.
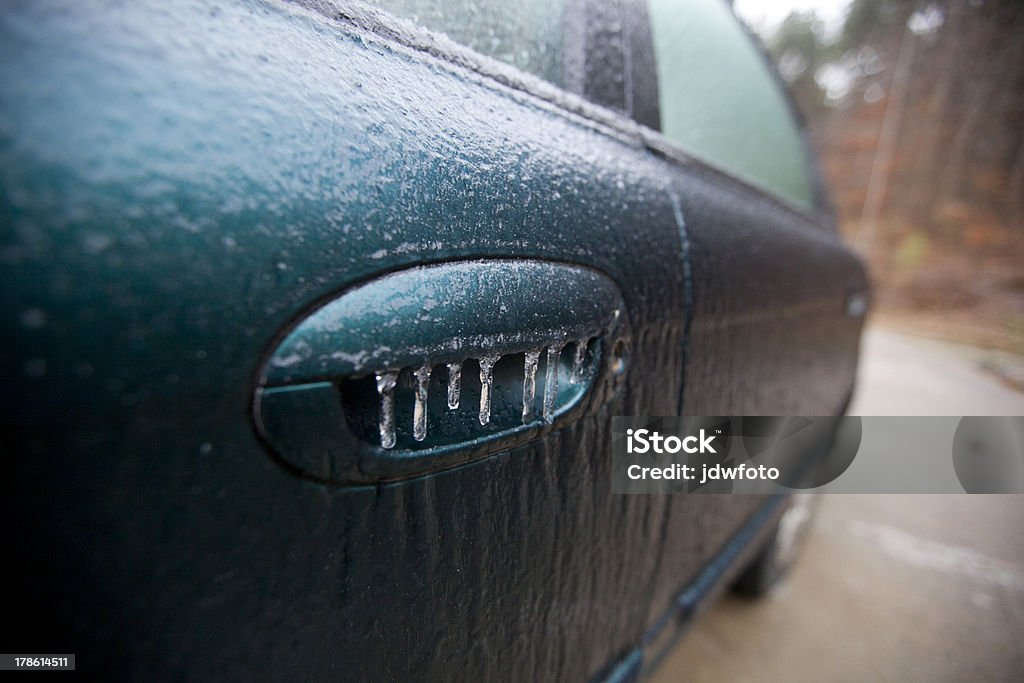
pixel 903 375
pixel 890 588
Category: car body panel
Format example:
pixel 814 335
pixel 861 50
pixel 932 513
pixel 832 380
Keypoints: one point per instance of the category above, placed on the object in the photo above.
pixel 182 184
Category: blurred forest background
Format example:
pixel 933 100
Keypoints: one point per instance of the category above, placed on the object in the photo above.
pixel 917 113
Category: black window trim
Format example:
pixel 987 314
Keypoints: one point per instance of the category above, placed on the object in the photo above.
pixel 610 57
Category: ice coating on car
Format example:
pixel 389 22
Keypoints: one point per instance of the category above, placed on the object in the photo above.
pixel 551 382
pixel 419 427
pixel 446 313
pixel 388 381
pixel 211 142
pixel 454 384
pixel 400 326
pixel 577 361
pixel 486 386
pixel 529 383
pixel 385 387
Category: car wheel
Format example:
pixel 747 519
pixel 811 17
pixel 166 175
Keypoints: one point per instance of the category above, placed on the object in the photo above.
pixel 781 551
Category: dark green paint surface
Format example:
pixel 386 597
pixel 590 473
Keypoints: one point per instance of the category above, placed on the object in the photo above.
pixel 446 312
pixel 178 184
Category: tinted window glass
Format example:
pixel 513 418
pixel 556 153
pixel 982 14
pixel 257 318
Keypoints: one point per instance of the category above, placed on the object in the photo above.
pixel 720 102
pixel 524 33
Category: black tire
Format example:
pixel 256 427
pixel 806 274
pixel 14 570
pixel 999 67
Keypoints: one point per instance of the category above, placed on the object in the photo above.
pixel 781 550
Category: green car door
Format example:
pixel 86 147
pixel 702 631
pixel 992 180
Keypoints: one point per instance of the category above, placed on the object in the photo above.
pixel 315 316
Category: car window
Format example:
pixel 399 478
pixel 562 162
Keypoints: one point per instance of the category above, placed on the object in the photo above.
pixel 527 34
pixel 720 102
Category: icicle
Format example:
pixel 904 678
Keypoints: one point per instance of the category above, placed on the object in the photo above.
pixel 486 384
pixel 454 384
pixel 419 413
pixel 529 383
pixel 551 383
pixel 386 387
pixel 577 362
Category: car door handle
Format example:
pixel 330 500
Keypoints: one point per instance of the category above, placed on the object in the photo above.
pixel 427 367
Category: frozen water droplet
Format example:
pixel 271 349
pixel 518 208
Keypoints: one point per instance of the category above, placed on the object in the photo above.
pixel 529 383
pixel 386 388
pixel 419 413
pixel 486 384
pixel 577 362
pixel 454 384
pixel 551 382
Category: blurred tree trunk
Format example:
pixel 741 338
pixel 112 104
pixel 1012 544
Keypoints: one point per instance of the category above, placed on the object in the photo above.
pixel 932 131
pixel 991 96
pixel 888 138
pixel 941 155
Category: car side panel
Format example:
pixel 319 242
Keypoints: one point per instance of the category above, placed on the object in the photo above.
pixel 179 183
